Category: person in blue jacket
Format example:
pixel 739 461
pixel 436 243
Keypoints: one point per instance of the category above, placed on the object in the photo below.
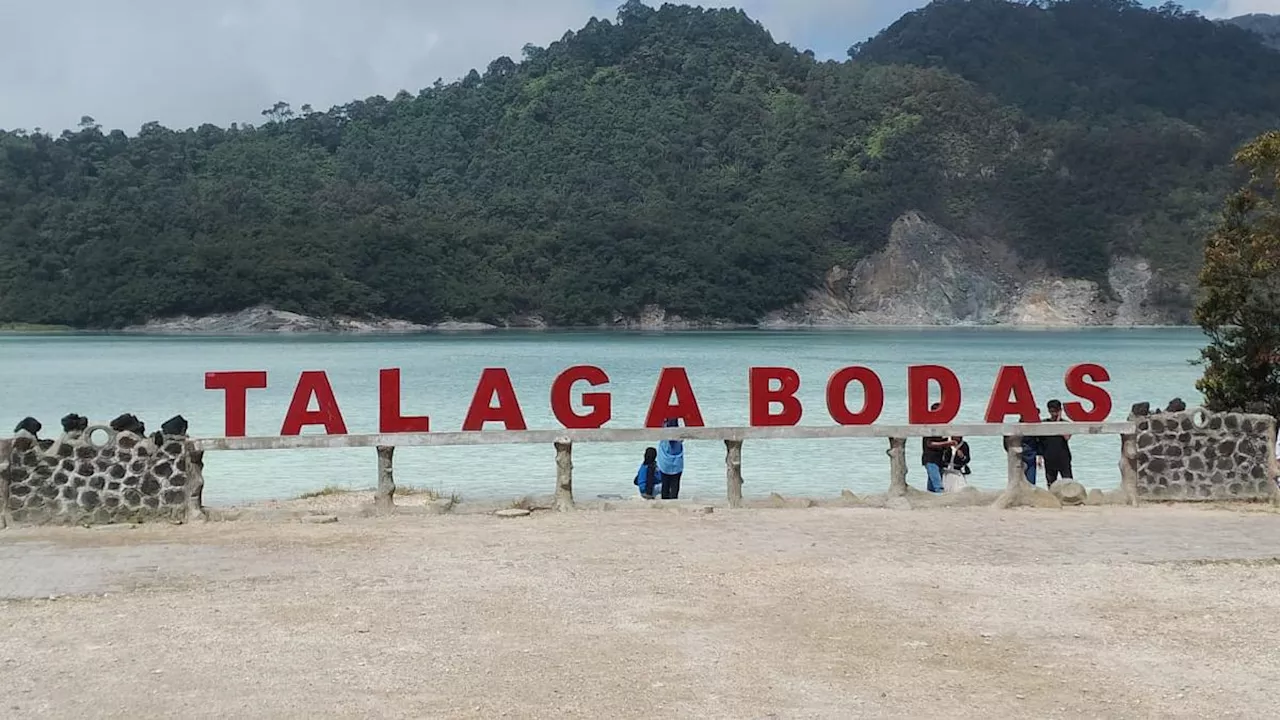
pixel 670 464
pixel 1031 449
pixel 647 476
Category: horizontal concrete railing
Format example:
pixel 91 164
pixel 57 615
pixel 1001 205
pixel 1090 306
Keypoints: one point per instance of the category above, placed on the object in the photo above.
pixel 547 437
pixel 1018 491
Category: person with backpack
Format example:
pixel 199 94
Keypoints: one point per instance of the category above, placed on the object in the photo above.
pixel 647 477
pixel 955 466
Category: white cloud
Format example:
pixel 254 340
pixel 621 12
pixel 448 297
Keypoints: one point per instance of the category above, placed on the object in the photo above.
pixel 1232 8
pixel 184 62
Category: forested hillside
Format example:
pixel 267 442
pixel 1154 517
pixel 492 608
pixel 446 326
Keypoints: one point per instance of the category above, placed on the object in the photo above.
pixel 675 157
pixel 1268 26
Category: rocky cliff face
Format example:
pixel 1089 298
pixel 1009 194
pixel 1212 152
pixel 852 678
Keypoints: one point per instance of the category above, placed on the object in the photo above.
pixel 927 275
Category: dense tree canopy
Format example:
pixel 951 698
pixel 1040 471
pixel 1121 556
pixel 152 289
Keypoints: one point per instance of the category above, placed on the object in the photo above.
pixel 677 157
pixel 1240 307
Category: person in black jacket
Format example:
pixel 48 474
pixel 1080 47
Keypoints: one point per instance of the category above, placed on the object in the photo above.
pixel 957 457
pixel 1055 450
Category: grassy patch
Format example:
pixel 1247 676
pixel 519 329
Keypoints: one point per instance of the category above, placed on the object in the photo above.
pixel 428 493
pixel 31 328
pixel 325 491
pixel 401 491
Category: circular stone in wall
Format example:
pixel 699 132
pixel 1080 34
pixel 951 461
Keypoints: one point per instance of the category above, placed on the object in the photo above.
pixel 93 433
pixel 1199 418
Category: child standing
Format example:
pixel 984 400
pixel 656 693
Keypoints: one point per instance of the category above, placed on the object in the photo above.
pixel 647 475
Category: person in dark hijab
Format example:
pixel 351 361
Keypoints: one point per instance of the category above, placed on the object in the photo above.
pixel 647 477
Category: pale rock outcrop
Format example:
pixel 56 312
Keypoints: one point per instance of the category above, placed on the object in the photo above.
pixel 928 275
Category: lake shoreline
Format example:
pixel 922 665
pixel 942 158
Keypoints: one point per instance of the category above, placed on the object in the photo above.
pixel 572 330
pixel 268 321
pixel 265 321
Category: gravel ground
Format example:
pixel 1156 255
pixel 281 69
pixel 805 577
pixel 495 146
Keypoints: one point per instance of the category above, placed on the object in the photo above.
pixel 1157 612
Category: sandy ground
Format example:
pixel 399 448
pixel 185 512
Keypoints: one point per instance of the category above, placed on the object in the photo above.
pixel 1112 612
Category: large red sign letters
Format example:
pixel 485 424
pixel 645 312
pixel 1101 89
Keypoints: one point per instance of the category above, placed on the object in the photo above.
pixel 772 400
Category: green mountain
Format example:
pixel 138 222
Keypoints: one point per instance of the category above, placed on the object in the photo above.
pixel 1268 26
pixel 676 158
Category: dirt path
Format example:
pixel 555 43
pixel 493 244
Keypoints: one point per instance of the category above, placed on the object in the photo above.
pixel 820 613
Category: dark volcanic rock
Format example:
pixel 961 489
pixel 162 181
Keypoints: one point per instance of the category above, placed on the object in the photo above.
pixel 75 423
pixel 176 425
pixel 130 424
pixel 1176 405
pixel 30 425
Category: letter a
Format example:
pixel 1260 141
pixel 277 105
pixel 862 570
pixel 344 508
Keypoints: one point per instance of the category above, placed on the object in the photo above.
pixel 684 407
pixel 1012 396
pixel 313 382
pixel 494 381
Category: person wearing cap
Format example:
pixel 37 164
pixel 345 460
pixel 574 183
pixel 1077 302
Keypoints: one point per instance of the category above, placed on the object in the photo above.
pixel 670 463
pixel 933 452
pixel 1055 450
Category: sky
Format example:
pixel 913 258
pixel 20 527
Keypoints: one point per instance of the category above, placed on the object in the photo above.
pixel 187 62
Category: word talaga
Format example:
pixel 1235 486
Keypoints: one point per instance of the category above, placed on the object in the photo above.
pixel 771 397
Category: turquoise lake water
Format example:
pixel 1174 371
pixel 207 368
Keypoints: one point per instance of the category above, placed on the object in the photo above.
pixel 102 376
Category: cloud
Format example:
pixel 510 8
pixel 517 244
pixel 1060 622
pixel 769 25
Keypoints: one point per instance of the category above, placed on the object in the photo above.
pixel 1232 8
pixel 186 62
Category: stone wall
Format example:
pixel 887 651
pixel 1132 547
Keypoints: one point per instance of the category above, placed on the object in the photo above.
pixel 99 474
pixel 1198 455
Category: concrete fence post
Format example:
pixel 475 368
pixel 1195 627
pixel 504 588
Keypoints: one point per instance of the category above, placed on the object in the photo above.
pixel 1016 471
pixel 1274 463
pixel 195 485
pixel 384 501
pixel 1129 468
pixel 6 455
pixel 564 475
pixel 733 471
pixel 1018 491
pixel 897 467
